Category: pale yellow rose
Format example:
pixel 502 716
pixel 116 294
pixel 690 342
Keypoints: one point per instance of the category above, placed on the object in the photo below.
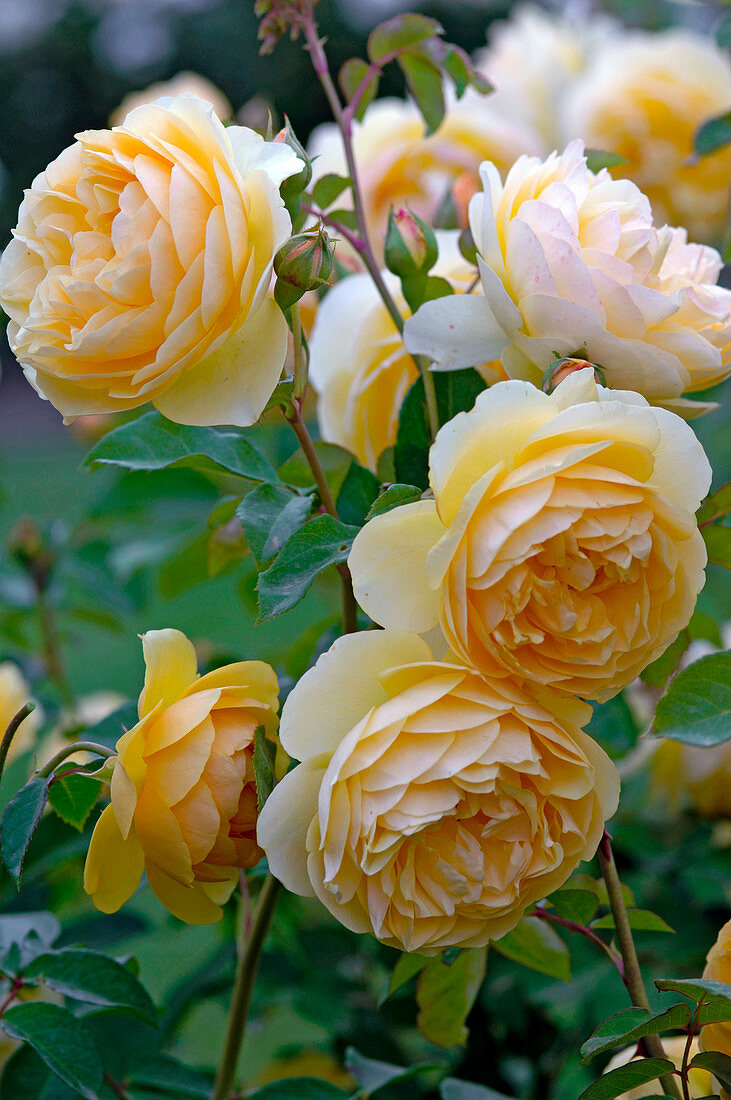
pixel 399 165
pixel 561 544
pixel 432 806
pixel 184 798
pixel 701 1082
pixel 718 969
pixel 358 363
pixel 139 268
pixel 572 265
pixel 644 96
pixel 694 775
pixel 15 692
pixel 183 83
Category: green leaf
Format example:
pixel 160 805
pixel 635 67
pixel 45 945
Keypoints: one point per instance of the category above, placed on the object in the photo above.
pixel 383 1080
pixel 716 506
pixel 456 392
pixel 716 1063
pixel 322 542
pixel 713 135
pixel 425 84
pixel 334 460
pixel 400 33
pixel 454 1089
pixel 347 218
pixel 624 1078
pixel 393 496
pixel 613 725
pixel 698 989
pixel 61 1041
pixel 19 822
pixel 24 1075
pixel 298 1088
pixel 357 494
pixel 659 672
pixel 696 708
pixel 152 442
pixel 73 797
pixel 534 944
pixel 328 188
pixel 718 544
pixel 640 920
pixel 92 977
pixel 632 1024
pixel 169 1077
pixel 270 514
pixel 445 995
pixel 265 754
pixel 596 159
pixel 578 906
pixel 281 395
pixel 351 76
pixel 407 967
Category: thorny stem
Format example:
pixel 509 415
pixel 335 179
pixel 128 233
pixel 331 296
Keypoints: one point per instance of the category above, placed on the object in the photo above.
pixel 344 122
pixel 582 930
pixel 69 750
pixel 350 607
pixel 13 725
pixel 13 993
pixel 632 974
pixel 248 965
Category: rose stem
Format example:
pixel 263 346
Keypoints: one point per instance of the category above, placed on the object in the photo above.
pixel 248 965
pixel 13 725
pixel 322 69
pixel 632 973
pixel 69 750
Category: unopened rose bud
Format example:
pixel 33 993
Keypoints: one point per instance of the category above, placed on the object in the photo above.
pixel 562 368
pixel 304 263
pixel 411 247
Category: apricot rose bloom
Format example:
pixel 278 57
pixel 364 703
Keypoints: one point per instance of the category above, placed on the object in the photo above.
pixel 184 798
pixel 644 97
pixel 431 807
pixel 358 363
pixel 696 775
pixel 572 265
pixel 140 264
pixel 561 544
pixel 718 969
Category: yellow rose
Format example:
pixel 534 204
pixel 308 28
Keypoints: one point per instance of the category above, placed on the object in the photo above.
pixel 693 774
pixel 644 97
pixel 399 165
pixel 183 83
pixel 184 798
pixel 701 1082
pixel 572 265
pixel 431 806
pixel 718 969
pixel 139 269
pixel 15 692
pixel 358 363
pixel 561 544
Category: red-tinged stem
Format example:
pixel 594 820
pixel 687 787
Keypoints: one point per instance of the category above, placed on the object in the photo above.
pixel 352 238
pixel 14 991
pixel 582 930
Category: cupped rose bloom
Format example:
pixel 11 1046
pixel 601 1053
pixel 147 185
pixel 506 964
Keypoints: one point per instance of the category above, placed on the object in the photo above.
pixel 183 83
pixel 139 268
pixel 432 806
pixel 572 265
pixel 718 969
pixel 184 798
pixel 644 97
pixel 561 544
pixel 358 363
pixel 15 692
pixel 399 165
pixel 700 1080
pixel 693 775
pixel 534 59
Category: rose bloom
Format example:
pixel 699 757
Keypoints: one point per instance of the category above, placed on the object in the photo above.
pixel 15 692
pixel 358 363
pixel 534 59
pixel 139 269
pixel 644 97
pixel 432 806
pixel 700 1080
pixel 695 775
pixel 561 544
pixel 572 265
pixel 183 83
pixel 718 969
pixel 184 798
pixel 399 165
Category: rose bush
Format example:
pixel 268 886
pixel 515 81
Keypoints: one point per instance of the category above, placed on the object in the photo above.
pixel 718 969
pixel 140 264
pixel 184 800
